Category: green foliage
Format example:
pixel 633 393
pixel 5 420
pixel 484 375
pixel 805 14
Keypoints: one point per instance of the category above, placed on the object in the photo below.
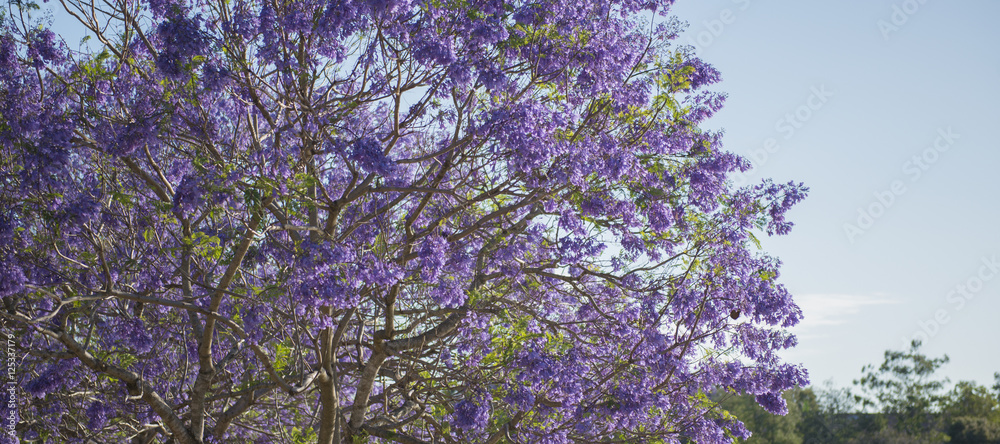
pixel 973 414
pixel 304 435
pixel 96 68
pixel 208 247
pixel 969 399
pixel 967 414
pixel 909 409
pixel 974 430
pixel 905 388
pixel 281 357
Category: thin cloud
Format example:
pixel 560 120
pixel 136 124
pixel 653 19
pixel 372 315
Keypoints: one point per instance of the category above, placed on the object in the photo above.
pixel 821 310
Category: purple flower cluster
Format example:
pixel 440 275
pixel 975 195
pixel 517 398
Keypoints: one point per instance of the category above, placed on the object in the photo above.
pixel 254 322
pixel 520 397
pixel 132 334
pixel 369 154
pixel 51 378
pixel 432 254
pixel 189 194
pixel 182 38
pixel 492 77
pixel 448 293
pixel 214 77
pixel 97 415
pixel 434 52
pixel 473 413
pixel 162 8
pixel 12 277
pixel 42 48
pixel 8 53
pixel 773 403
pixel 82 210
pixel 242 23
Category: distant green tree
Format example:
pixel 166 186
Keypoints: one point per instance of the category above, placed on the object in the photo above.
pixel 887 435
pixel 969 399
pixel 973 430
pixel 996 385
pixel 811 425
pixel 972 413
pixel 905 389
pixel 830 416
pixel 834 401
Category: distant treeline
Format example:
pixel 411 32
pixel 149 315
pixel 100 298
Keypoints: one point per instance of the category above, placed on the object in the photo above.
pixel 900 401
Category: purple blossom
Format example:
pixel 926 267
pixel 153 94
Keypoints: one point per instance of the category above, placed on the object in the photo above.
pixel 387 6
pixel 8 54
pixel 492 77
pixel 368 153
pixel 434 52
pixel 485 33
pixel 448 293
pixel 50 378
pixel 242 23
pixel 520 397
pixel 700 73
pixel 42 48
pixel 266 22
pixel 12 279
pixel 135 334
pixel 162 8
pixel 474 413
pixel 97 415
pixel 528 14
pixel 182 39
pixel 214 77
pixel 773 403
pixel 130 333
pixel 189 194
pixel 84 209
pixel 254 319
pixel 432 257
pixel 459 73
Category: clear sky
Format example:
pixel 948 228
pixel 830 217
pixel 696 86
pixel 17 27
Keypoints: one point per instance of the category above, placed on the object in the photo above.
pixel 842 96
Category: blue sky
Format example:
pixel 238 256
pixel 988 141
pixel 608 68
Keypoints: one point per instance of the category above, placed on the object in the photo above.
pixel 888 111
pixel 842 96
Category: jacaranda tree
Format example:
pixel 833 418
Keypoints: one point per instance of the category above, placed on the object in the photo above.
pixel 344 221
